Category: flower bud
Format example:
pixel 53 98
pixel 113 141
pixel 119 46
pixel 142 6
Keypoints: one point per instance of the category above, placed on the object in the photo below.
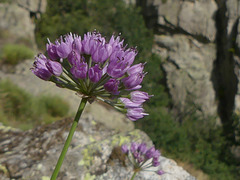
pixel 80 70
pixel 139 96
pixel 112 86
pixel 73 57
pixel 129 104
pixel 40 68
pixel 64 48
pixel 135 113
pixel 134 147
pixel 142 148
pixel 54 67
pixel 77 45
pixel 100 54
pixel 133 80
pixel 160 172
pixel 138 68
pixel 95 73
pixel 124 149
pixel 52 50
pixel 150 152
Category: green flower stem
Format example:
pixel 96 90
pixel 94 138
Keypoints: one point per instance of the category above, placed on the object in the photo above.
pixel 133 176
pixel 69 138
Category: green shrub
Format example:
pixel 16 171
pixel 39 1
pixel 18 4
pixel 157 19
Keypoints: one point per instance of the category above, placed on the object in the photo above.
pixel 14 53
pixel 55 106
pixel 22 110
pixel 4 34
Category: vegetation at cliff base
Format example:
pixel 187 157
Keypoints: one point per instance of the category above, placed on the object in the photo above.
pixel 12 54
pixel 22 110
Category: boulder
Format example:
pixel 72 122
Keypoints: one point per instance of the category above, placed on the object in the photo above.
pixel 16 21
pixel 188 64
pixel 198 18
pixel 36 6
pixel 194 17
pixel 94 153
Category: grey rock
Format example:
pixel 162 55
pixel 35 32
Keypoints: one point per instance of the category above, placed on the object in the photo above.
pixel 37 6
pixel 194 17
pixel 94 153
pixel 233 13
pixel 16 20
pixel 198 18
pixel 188 65
pixel 238 35
pixel 233 30
pixel 168 11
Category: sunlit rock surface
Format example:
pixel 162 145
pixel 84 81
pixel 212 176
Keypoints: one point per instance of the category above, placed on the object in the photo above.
pixel 94 153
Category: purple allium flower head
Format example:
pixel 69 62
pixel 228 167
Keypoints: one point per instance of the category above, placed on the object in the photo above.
pixel 112 86
pixel 141 157
pixel 40 69
pixel 135 113
pixel 129 104
pixel 52 50
pixel 125 149
pixel 54 67
pixel 96 69
pixel 139 96
pixel 95 73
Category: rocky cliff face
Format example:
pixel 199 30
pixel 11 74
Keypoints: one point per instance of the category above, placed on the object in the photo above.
pixel 198 41
pixel 17 18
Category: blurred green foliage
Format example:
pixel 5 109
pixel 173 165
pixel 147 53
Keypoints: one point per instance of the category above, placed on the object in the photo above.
pixel 12 54
pixel 106 16
pixel 20 109
pixel 195 140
